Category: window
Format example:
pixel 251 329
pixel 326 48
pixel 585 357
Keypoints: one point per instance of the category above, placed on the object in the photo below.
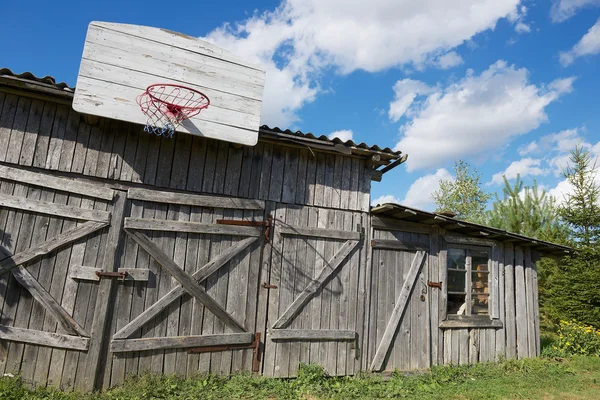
pixel 468 280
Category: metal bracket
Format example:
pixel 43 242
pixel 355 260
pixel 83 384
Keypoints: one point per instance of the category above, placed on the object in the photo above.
pixel 267 224
pixel 268 285
pixel 435 284
pixel 105 274
pixel 255 346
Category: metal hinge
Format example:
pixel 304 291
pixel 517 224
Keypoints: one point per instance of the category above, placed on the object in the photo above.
pixel 268 285
pixel 105 274
pixel 255 346
pixel 435 284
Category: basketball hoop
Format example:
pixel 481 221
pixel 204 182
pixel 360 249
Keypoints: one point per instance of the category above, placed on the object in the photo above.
pixel 167 105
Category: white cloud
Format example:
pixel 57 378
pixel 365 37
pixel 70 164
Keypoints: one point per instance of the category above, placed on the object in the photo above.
pixel 386 198
pixel 524 167
pixel 528 149
pixel 419 193
pixel 564 9
pixel 589 44
pixel 475 116
pixel 522 27
pixel 405 92
pixel 300 39
pixel 343 135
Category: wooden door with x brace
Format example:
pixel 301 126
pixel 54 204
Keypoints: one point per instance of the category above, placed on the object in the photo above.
pixel 193 307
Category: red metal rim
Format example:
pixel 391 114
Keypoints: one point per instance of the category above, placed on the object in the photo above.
pixel 150 89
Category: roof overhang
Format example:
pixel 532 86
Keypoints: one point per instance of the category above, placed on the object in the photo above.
pixel 409 214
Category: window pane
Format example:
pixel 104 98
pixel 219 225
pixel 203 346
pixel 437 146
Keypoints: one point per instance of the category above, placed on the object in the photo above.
pixel 479 282
pixel 456 304
pixel 480 260
pixel 479 305
pixel 456 281
pixel 456 258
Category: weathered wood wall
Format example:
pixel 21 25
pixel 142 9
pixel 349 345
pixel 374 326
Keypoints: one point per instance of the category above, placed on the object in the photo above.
pixel 421 336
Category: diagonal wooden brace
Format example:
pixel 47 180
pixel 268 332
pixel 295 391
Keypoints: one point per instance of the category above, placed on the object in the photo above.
pixel 185 280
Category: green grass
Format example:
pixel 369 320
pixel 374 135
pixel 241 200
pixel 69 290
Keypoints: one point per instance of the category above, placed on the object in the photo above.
pixel 573 378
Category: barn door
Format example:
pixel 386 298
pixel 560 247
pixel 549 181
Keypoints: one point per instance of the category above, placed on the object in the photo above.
pixel 193 308
pixel 399 322
pixel 50 227
pixel 313 290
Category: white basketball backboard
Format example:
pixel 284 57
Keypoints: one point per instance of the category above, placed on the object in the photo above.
pixel 120 61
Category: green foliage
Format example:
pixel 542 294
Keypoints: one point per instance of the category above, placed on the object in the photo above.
pixel 463 196
pixel 530 378
pixel 575 339
pixel 581 209
pixel 527 211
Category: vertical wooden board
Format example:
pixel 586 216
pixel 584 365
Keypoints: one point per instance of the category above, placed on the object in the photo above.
pixel 302 180
pixel 392 283
pixel 355 166
pixel 93 149
pixel 36 320
pixel 350 296
pixel 320 180
pixel 317 301
pixel 521 304
pixel 56 141
pixel 34 121
pixel 177 323
pixel 447 346
pixel 138 165
pixel 364 196
pixel 103 165
pixel 221 167
pixel 83 138
pixel 9 109
pixel 463 346
pixel 536 308
pixel 130 153
pixel 325 348
pixel 310 258
pixel 196 166
pixel 491 343
pixel 509 302
pixel 17 133
pixel 373 334
pixel 530 302
pixel 265 172
pixel 500 333
pixel 434 297
pixel 473 346
pixel 165 162
pixel 494 284
pixel 43 136
pixel 311 176
pixel 25 301
pixel 246 172
pixel 484 355
pixel 234 171
pixel 336 289
pixel 288 193
pixel 210 165
pixel 181 161
pixel 254 190
pixel 404 340
pixel 67 150
pixel 118 150
pixel 443 277
pixel 345 183
pixel 360 353
pixel 338 173
pixel 277 173
pixel 328 183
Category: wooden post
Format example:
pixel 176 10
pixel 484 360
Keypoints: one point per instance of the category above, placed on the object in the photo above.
pixel 98 338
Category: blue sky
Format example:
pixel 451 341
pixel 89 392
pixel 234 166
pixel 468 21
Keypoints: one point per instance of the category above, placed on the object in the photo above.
pixel 508 85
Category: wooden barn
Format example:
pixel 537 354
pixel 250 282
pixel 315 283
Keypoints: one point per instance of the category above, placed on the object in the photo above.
pixel 123 252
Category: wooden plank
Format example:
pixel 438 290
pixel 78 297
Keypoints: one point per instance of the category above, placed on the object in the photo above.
pixel 41 338
pixel 494 289
pixel 434 295
pixel 536 309
pixel 84 273
pixel 530 301
pixel 200 275
pixel 7 118
pixel 509 302
pixel 180 342
pixel 100 319
pixel 500 333
pixel 56 141
pixel 317 232
pixel 18 130
pixel 399 245
pixel 315 284
pixel 31 132
pixel 50 245
pixel 191 227
pixel 195 199
pixel 399 308
pixel 468 240
pixel 188 283
pixel 45 207
pixel 463 346
pixel 312 334
pixel 521 304
pixel 40 294
pixel 471 322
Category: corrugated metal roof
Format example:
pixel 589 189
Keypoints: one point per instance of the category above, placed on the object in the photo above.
pixel 48 80
pixel 389 154
pixel 398 211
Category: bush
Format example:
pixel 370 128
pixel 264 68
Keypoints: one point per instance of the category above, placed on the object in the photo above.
pixel 575 339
